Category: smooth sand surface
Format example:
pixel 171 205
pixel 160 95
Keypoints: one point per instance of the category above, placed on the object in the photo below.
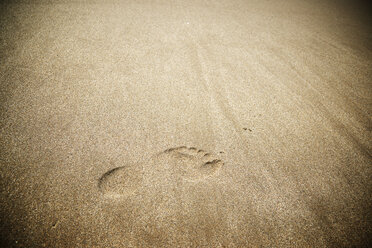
pixel 185 124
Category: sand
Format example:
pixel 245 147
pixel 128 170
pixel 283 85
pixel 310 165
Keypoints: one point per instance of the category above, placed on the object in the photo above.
pixel 185 124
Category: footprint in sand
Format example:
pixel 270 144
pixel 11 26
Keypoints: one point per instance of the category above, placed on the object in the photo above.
pixel 188 162
pixel 192 163
pixel 120 181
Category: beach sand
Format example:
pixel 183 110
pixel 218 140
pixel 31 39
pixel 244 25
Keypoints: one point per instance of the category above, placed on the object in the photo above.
pixel 185 124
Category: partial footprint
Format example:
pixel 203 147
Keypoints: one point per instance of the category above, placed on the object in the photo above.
pixel 120 181
pixel 193 163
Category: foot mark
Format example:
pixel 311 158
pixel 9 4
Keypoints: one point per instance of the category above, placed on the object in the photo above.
pixel 120 181
pixel 193 163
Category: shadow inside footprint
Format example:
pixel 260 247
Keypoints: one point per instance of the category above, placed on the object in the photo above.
pixel 120 181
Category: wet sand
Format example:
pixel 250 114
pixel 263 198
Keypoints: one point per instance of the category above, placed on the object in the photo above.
pixel 185 124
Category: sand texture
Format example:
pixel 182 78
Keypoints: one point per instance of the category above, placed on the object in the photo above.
pixel 185 124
